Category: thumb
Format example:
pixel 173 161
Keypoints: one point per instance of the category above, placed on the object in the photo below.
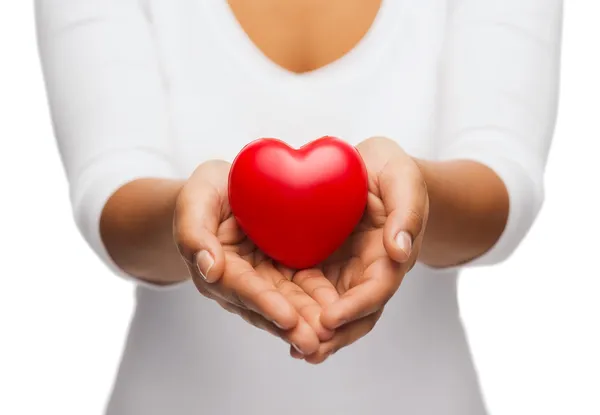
pixel 404 195
pixel 196 221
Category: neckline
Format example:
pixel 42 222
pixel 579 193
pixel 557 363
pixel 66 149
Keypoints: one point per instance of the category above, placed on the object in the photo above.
pixel 248 57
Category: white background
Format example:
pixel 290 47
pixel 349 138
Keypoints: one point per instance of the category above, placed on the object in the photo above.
pixel 533 322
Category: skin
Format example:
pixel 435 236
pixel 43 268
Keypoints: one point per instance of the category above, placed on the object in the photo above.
pixel 304 35
pixel 163 231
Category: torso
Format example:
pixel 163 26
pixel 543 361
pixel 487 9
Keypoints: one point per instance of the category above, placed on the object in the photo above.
pixel 297 70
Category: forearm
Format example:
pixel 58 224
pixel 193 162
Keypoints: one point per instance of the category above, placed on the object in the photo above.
pixel 136 228
pixel 468 211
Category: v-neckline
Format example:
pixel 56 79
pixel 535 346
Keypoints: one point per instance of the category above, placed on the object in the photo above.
pixel 228 30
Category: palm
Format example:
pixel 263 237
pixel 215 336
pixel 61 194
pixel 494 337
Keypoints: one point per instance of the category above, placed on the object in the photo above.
pixel 348 265
pixel 361 260
pixel 243 256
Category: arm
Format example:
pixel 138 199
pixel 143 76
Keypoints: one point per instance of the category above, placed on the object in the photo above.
pixel 468 211
pixel 475 201
pixel 111 122
pixel 499 99
pixel 137 229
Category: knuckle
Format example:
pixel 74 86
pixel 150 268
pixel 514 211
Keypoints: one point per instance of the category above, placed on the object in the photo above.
pixel 313 292
pixel 184 233
pixel 309 310
pixel 186 240
pixel 414 221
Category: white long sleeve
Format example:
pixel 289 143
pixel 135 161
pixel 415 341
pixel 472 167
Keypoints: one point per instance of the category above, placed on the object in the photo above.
pixel 151 88
pixel 107 102
pixel 500 93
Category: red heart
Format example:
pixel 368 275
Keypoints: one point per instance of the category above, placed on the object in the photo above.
pixel 298 206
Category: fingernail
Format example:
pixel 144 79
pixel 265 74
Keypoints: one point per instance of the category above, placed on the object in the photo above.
pixel 204 262
pixel 297 349
pixel 404 242
pixel 277 325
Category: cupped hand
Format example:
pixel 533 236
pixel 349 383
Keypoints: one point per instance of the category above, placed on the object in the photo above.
pixel 228 268
pixel 368 269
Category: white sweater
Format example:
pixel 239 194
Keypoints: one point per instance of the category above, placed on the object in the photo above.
pixel 151 88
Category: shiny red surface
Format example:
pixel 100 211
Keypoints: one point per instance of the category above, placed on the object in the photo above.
pixel 298 206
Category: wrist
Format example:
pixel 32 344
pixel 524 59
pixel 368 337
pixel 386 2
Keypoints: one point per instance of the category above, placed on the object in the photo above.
pixel 137 220
pixel 468 210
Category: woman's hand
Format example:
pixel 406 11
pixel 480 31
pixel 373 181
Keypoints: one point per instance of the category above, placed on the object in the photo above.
pixel 368 269
pixel 228 268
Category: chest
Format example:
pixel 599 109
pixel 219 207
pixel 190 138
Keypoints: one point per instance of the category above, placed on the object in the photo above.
pixel 231 78
pixel 304 35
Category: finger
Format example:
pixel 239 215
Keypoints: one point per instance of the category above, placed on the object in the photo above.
pixel 300 338
pixel 353 271
pixel 198 214
pixel 380 282
pixel 345 336
pixel 314 283
pixel 307 307
pixel 404 196
pixel 303 338
pixel 242 285
pixel 253 318
pixel 295 353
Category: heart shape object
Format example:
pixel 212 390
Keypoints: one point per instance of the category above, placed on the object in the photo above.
pixel 298 206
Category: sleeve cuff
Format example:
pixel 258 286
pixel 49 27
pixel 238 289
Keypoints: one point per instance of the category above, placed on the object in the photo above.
pixel 98 182
pixel 522 177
